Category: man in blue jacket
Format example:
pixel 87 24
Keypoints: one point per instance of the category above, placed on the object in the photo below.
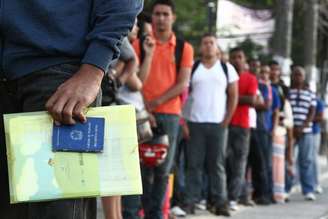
pixel 54 55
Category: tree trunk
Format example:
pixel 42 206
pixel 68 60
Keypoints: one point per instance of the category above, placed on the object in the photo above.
pixel 311 40
pixel 282 38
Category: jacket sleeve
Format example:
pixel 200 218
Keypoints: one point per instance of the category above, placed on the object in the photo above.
pixel 109 24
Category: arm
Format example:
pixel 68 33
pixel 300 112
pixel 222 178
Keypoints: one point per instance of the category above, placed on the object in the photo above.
pixel 134 83
pixel 250 98
pixel 263 105
pixel 130 67
pixel 290 146
pixel 174 91
pixel 275 120
pixel 318 117
pixel 148 45
pixel 232 102
pixel 110 21
pixel 309 118
pixel 247 100
pixel 129 59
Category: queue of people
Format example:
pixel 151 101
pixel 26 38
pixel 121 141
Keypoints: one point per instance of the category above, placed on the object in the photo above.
pixel 237 135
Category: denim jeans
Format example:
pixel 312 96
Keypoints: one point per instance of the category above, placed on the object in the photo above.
pixel 237 153
pixel 179 171
pixel 306 152
pixel 317 142
pixel 155 180
pixel 206 148
pixel 130 206
pixel 27 94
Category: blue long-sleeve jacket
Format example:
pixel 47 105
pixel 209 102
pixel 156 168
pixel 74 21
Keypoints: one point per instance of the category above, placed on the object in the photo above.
pixel 37 34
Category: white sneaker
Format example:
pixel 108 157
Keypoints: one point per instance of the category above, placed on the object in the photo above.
pixel 286 197
pixel 310 197
pixel 233 206
pixel 318 190
pixel 201 205
pixel 178 212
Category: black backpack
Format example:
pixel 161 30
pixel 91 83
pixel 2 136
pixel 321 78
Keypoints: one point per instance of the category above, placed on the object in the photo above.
pixel 197 63
pixel 177 54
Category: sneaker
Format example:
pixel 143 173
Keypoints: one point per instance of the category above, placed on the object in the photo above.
pixel 310 197
pixel 201 205
pixel 247 202
pixel 233 206
pixel 287 199
pixel 178 212
pixel 262 201
pixel 318 190
pixel 222 210
pixel 210 207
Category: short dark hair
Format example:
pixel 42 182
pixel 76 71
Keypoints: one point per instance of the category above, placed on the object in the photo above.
pixel 169 3
pixel 273 62
pixel 207 35
pixel 236 49
pixel 144 17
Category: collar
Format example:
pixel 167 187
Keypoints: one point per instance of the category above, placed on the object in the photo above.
pixel 172 41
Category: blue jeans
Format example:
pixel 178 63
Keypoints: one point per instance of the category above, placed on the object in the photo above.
pixel 306 152
pixel 317 143
pixel 155 180
pixel 207 147
pixel 27 94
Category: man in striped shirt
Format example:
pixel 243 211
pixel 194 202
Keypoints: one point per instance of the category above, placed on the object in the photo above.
pixel 303 102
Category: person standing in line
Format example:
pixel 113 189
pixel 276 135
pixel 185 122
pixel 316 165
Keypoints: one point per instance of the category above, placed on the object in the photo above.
pixel 318 119
pixel 239 129
pixel 303 104
pixel 54 56
pixel 212 100
pixel 167 79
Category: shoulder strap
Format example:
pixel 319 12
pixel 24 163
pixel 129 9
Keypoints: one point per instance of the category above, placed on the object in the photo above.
pixel 226 73
pixel 178 53
pixel 225 70
pixel 193 69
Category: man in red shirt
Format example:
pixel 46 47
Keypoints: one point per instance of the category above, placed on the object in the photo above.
pixel 239 130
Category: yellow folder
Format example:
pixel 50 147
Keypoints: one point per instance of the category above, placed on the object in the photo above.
pixel 38 174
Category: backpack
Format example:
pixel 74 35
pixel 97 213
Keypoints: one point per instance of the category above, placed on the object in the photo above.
pixel 195 66
pixel 177 54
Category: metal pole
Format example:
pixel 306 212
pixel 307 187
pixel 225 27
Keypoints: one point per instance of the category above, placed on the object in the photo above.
pixel 211 10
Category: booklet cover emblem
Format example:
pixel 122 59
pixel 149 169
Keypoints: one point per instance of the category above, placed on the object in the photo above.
pixel 81 137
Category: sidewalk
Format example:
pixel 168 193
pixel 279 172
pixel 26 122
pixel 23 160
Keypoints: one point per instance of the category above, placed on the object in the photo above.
pixel 297 208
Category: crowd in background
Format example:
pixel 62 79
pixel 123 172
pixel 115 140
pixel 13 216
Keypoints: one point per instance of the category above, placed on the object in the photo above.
pixel 236 133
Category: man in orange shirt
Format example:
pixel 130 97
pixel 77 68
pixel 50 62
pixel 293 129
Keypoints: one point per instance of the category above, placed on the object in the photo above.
pixel 161 90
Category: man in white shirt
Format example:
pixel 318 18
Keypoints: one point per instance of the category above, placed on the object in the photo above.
pixel 211 104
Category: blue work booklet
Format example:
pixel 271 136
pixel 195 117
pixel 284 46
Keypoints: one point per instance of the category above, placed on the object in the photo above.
pixel 81 137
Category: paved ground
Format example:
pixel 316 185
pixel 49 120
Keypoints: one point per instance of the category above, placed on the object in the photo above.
pixel 297 208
